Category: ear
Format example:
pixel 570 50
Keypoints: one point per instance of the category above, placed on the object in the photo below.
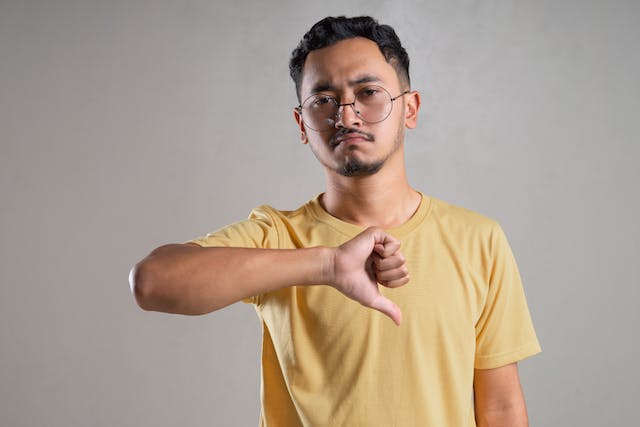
pixel 303 131
pixel 412 105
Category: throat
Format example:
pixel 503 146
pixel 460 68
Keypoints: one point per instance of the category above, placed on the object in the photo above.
pixel 373 210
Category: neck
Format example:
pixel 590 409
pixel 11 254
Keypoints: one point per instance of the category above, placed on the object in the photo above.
pixel 384 199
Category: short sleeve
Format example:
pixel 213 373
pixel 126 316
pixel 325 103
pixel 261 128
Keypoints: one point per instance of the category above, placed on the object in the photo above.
pixel 504 331
pixel 258 231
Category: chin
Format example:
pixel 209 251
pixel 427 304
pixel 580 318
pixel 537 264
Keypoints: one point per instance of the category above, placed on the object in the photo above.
pixel 355 168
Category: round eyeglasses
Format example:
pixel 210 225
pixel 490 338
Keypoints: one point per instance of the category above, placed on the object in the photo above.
pixel 372 104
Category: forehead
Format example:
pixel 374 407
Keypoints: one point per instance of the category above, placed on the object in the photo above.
pixel 345 64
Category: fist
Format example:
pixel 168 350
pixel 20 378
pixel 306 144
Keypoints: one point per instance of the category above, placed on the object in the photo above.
pixel 372 257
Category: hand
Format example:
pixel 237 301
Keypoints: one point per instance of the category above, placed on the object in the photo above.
pixel 371 257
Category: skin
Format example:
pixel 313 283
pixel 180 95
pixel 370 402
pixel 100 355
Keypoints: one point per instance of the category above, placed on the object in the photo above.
pixel 358 199
pixel 189 279
pixel 499 401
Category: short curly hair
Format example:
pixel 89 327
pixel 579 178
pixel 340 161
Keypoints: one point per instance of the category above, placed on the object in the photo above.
pixel 331 30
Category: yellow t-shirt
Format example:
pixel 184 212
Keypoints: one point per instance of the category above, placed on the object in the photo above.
pixel 329 361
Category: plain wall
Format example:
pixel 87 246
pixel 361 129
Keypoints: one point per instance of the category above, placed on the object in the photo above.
pixel 128 124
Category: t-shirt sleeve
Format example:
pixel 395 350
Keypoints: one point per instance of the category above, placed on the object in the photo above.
pixel 258 231
pixel 504 331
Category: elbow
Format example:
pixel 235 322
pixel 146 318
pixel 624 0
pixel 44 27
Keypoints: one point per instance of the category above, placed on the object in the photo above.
pixel 142 283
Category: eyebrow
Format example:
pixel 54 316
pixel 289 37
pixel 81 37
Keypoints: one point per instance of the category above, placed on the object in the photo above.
pixel 365 78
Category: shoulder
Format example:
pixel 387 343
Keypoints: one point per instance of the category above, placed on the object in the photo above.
pixel 270 213
pixel 288 224
pixel 470 235
pixel 457 218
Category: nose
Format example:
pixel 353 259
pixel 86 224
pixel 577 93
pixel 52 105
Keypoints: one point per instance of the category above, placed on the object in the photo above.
pixel 347 117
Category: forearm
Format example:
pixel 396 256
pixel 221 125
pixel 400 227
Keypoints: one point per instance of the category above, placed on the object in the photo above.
pixel 507 416
pixel 187 279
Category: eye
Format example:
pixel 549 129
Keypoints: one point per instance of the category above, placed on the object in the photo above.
pixel 322 100
pixel 369 92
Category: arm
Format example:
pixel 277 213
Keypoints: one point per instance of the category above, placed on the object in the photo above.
pixel 499 401
pixel 189 279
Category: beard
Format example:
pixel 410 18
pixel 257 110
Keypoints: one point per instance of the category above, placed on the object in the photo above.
pixel 354 167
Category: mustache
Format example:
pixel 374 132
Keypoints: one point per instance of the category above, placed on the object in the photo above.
pixel 342 132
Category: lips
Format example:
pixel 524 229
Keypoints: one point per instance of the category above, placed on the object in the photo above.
pixel 350 135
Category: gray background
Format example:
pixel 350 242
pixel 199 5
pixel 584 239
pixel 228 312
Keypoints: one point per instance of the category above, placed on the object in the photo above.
pixel 128 124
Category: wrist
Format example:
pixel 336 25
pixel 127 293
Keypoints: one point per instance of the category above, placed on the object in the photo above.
pixel 327 257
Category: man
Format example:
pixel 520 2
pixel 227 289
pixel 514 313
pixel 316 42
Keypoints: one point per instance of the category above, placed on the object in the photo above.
pixel 450 284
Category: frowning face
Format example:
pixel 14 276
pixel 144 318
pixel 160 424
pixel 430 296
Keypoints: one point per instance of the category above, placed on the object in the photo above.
pixel 353 141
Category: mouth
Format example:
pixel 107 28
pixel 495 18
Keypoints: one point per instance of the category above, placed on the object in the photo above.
pixel 350 136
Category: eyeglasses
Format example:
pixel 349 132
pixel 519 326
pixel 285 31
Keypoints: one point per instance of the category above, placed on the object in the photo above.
pixel 372 104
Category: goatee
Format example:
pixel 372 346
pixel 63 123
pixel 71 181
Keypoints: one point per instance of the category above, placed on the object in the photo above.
pixel 354 167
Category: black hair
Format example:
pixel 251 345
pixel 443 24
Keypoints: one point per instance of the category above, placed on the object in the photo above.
pixel 331 30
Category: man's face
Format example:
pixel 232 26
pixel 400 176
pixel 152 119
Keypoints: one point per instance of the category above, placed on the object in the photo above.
pixel 353 147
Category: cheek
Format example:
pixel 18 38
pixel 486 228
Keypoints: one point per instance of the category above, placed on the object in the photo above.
pixel 317 145
pixel 318 141
pixel 392 127
pixel 401 110
pixel 319 152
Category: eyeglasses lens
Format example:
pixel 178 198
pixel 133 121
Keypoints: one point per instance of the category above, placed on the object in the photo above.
pixel 372 104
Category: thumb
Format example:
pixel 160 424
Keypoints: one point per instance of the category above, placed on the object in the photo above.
pixel 388 307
